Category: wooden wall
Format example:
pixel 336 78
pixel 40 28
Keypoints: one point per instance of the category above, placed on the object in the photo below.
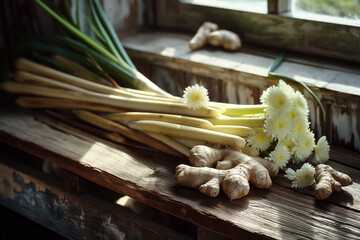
pixel 342 126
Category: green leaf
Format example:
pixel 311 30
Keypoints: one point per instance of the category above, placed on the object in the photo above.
pixel 104 34
pixel 94 29
pixel 94 44
pixel 41 58
pixel 110 30
pixel 271 74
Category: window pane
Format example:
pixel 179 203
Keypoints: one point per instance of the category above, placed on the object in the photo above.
pixel 259 6
pixel 337 8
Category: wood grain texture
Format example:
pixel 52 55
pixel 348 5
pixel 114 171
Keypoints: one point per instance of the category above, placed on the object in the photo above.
pixel 277 213
pixel 43 200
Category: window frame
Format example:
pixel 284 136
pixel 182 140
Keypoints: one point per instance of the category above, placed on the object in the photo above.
pixel 277 28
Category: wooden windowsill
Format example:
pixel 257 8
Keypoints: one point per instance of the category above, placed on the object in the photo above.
pixel 252 62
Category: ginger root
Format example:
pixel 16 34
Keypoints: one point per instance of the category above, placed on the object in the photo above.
pixel 329 180
pixel 201 37
pixel 234 172
pixel 210 33
pixel 225 38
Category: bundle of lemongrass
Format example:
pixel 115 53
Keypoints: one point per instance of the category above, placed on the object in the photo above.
pixel 166 123
pixel 84 75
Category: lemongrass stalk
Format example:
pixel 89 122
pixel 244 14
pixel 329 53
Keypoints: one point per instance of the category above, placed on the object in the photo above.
pixel 190 143
pixel 140 81
pixel 250 151
pixel 78 69
pixel 115 137
pixel 87 57
pixel 171 143
pixel 55 103
pixel 171 118
pixel 238 110
pixel 145 84
pixel 111 126
pixel 35 68
pixel 236 130
pixel 238 121
pixel 182 131
pixel 117 101
pixel 41 58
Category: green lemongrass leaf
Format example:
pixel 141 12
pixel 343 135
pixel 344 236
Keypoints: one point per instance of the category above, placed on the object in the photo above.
pixel 122 77
pixel 55 49
pixel 96 45
pixel 278 60
pixel 78 69
pixel 110 30
pixel 68 10
pixel 78 14
pixel 286 78
pixel 120 74
pixel 94 29
pixel 41 58
pixel 108 41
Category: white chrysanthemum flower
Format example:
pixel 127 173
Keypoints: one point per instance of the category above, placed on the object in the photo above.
pixel 287 88
pixel 289 143
pixel 278 127
pixel 196 96
pixel 322 150
pixel 280 155
pixel 277 100
pixel 300 126
pixel 265 94
pixel 260 141
pixel 303 146
pixel 290 174
pixel 303 177
pixel 300 104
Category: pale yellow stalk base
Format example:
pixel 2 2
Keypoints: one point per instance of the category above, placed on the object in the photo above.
pixel 117 101
pixel 238 121
pixel 111 126
pixel 171 143
pixel 236 130
pixel 171 118
pixel 182 131
pixel 38 102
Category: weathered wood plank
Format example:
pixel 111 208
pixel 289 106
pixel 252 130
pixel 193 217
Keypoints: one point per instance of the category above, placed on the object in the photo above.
pixel 275 213
pixel 349 196
pixel 203 234
pixel 242 77
pixel 161 47
pixel 342 156
pixel 43 200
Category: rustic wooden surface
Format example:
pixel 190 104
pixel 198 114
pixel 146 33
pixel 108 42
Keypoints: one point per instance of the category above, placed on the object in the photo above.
pixel 44 200
pixel 240 77
pixel 277 213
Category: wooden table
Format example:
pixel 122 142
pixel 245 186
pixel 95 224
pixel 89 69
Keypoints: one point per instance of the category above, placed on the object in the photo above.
pixel 277 213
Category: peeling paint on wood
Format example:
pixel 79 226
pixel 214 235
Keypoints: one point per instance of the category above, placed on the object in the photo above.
pixel 346 126
pixel 43 200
